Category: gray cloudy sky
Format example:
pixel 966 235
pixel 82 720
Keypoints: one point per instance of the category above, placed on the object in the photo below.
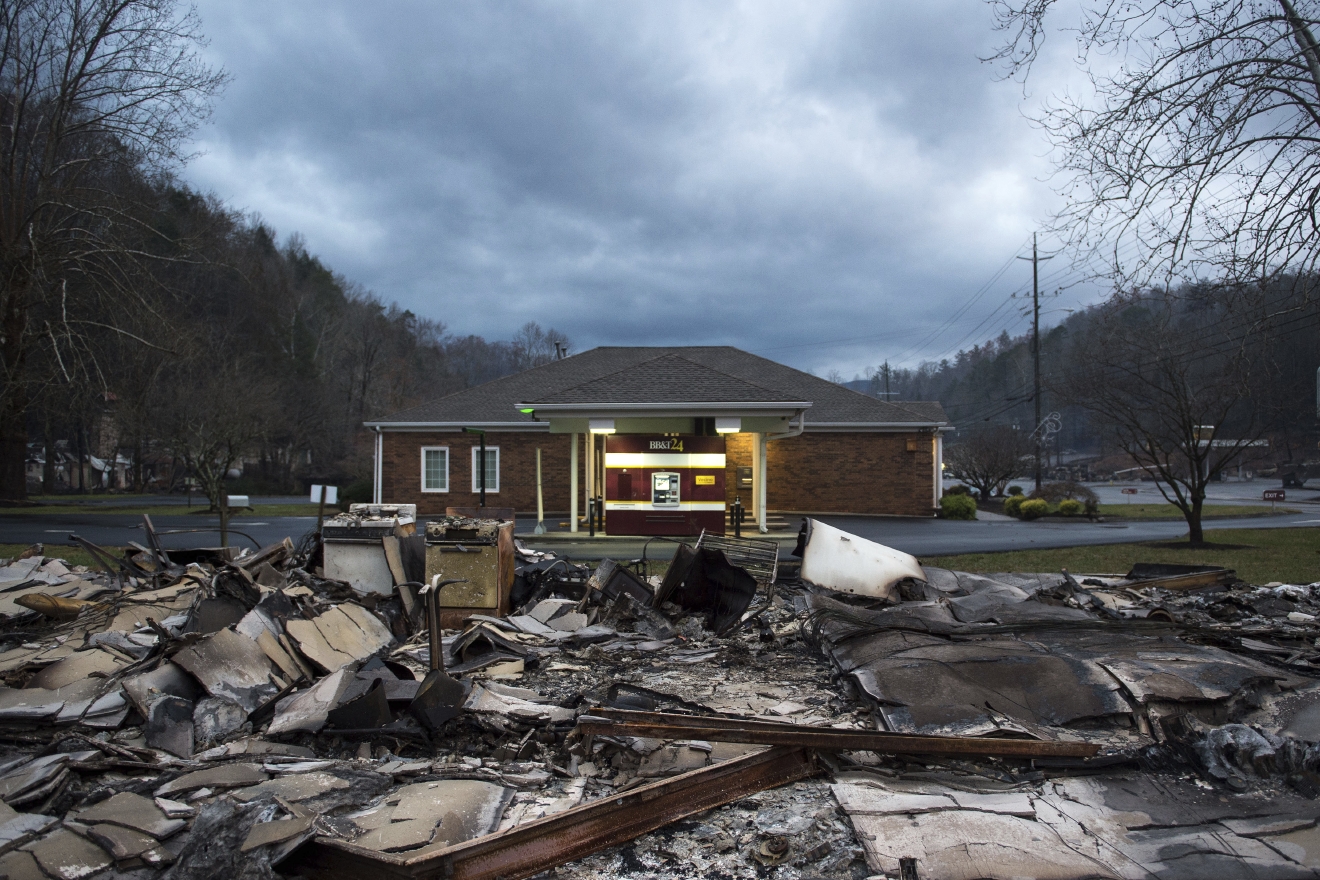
pixel 784 177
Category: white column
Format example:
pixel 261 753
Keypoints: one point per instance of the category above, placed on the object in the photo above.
pixel 599 480
pixel 540 499
pixel 755 476
pixel 573 485
pixel 759 480
pixel 378 471
pixel 938 449
pixel 591 465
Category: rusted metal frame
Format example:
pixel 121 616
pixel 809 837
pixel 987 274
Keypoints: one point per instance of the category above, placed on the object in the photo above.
pixel 528 849
pixel 758 556
pixel 751 555
pixel 619 722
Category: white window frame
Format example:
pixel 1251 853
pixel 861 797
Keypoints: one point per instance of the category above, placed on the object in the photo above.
pixel 445 450
pixel 476 475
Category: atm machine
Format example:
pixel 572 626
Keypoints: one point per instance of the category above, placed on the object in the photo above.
pixel 664 485
pixel 665 490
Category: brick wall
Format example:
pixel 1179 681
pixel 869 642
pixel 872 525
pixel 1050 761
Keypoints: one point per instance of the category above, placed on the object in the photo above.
pixel 814 473
pixel 738 451
pixel 840 473
pixel 402 471
pixel 851 473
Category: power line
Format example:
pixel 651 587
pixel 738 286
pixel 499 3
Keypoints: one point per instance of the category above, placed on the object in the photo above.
pixel 870 338
pixel 960 311
pixel 1046 280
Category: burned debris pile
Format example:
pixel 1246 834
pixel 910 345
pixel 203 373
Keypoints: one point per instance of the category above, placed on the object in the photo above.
pixel 401 698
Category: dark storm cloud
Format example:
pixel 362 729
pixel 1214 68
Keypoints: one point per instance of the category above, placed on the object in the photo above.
pixel 763 175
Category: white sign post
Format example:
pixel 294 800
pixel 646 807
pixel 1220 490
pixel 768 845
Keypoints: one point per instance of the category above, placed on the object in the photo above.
pixel 323 495
pixel 331 494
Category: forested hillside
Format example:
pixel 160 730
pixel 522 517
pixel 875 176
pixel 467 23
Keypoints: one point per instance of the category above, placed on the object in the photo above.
pixel 1269 338
pixel 242 337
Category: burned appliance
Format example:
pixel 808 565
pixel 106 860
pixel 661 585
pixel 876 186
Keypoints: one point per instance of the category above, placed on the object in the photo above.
pixel 354 551
pixel 478 551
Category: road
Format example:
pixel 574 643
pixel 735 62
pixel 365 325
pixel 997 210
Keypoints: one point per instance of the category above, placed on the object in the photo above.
pixel 937 537
pixel 919 536
pixel 1233 492
pixel 181 501
pixel 114 529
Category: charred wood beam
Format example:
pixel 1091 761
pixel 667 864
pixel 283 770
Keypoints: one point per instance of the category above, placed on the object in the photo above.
pixel 526 850
pixel 660 725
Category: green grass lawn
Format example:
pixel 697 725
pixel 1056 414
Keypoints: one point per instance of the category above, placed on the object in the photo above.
pixel 1170 511
pixel 198 509
pixel 1288 555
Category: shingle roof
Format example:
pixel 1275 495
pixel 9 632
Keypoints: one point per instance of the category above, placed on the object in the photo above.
pixel 669 378
pixel 721 369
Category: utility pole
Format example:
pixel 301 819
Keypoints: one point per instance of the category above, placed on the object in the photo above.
pixel 886 392
pixel 1035 343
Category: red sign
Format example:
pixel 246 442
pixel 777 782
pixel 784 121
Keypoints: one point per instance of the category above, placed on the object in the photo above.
pixel 1129 491
pixel 1273 495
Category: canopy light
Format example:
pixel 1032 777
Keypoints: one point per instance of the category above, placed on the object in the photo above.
pixel 601 426
pixel 528 410
pixel 728 426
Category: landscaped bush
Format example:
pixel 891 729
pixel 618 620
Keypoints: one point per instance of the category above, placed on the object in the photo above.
pixel 958 506
pixel 1071 507
pixel 1015 490
pixel 356 492
pixel 1013 503
pixel 1057 492
pixel 1033 508
pixel 958 489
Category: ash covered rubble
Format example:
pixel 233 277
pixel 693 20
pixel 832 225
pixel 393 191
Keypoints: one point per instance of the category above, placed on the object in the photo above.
pixel 199 713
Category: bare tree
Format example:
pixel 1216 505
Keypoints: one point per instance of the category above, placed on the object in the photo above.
pixel 93 94
pixel 533 346
pixel 1197 154
pixel 213 416
pixel 1172 378
pixel 989 458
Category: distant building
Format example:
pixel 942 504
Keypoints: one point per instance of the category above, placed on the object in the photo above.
pixel 666 439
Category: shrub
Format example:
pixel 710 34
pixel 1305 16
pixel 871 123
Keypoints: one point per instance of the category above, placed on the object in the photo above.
pixel 958 506
pixel 959 489
pixel 1033 508
pixel 1013 504
pixel 1015 490
pixel 356 492
pixel 1071 507
pixel 1056 492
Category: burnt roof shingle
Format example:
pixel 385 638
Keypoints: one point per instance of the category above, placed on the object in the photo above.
pixel 726 370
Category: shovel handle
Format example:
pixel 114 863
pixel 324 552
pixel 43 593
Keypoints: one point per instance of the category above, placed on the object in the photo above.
pixel 433 620
pixel 433 625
